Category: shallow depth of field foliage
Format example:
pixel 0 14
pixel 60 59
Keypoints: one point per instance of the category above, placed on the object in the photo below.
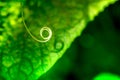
pixel 85 31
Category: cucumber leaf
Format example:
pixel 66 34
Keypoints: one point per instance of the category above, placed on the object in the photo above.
pixel 35 34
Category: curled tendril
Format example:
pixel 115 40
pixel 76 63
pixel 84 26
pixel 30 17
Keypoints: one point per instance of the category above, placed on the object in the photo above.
pixel 45 38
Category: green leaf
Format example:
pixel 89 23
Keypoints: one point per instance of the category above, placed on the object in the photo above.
pixel 25 53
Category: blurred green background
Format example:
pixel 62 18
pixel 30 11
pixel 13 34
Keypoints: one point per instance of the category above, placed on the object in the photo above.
pixel 96 51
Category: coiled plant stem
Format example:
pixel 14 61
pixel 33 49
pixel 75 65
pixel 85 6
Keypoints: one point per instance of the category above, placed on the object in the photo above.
pixel 45 39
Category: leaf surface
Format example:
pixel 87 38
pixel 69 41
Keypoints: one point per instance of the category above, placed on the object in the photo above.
pixel 24 58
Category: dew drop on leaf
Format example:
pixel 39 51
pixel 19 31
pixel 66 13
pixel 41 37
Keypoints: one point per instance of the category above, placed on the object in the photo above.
pixel 59 44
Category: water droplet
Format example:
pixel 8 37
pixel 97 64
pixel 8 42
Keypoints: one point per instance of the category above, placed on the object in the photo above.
pixel 59 45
